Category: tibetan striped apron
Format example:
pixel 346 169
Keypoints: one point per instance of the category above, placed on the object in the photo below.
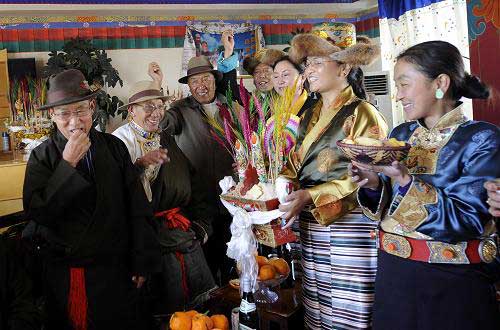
pixel 339 264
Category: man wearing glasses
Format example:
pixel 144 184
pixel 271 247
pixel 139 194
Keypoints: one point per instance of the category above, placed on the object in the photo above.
pixel 87 204
pixel 181 216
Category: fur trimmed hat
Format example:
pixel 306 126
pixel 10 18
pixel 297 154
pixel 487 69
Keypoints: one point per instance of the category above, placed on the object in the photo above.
pixel 349 49
pixel 264 56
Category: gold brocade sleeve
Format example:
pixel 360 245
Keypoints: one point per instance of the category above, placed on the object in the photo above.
pixel 336 198
pixel 291 168
pixel 368 122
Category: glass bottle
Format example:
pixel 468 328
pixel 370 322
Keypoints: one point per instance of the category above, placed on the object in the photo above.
pixel 248 317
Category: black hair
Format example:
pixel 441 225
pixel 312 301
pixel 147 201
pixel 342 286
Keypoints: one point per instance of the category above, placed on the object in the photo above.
pixel 433 58
pixel 287 58
pixel 355 79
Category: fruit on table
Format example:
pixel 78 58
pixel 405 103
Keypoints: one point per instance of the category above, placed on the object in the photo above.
pixel 261 261
pixel 191 320
pixel 192 313
pixel 280 265
pixel 198 323
pixel 208 321
pixel 220 322
pixel 180 321
pixel 266 272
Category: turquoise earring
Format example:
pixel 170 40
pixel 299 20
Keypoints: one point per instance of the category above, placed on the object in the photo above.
pixel 439 93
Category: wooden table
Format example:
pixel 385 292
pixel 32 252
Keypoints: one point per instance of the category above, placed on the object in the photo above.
pixel 285 313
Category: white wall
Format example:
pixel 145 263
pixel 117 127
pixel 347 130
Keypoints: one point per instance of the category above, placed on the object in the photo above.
pixel 132 65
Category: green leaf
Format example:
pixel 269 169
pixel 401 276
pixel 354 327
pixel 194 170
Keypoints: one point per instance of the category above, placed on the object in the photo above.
pixel 95 65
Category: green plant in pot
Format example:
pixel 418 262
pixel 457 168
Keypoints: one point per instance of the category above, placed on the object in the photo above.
pixel 94 63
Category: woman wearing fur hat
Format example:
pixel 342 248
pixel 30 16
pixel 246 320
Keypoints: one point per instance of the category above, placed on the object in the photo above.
pixel 338 254
pixel 182 219
pixel 438 259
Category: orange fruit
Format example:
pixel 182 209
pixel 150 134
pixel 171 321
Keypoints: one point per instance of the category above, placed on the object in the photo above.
pixel 280 265
pixel 266 272
pixel 208 322
pixel 261 261
pixel 220 322
pixel 192 313
pixel 198 322
pixel 180 321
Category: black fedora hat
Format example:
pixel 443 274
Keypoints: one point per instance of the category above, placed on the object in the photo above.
pixel 68 87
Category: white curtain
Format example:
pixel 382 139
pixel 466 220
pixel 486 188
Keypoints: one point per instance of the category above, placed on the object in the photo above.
pixel 404 23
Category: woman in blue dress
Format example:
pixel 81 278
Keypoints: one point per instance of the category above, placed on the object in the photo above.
pixel 437 256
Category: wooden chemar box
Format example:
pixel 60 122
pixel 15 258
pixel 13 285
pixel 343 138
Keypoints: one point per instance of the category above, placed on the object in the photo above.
pixel 272 235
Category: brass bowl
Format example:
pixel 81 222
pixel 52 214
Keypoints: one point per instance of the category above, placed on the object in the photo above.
pixel 374 155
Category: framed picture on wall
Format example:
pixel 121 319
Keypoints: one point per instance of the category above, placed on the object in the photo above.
pixel 205 39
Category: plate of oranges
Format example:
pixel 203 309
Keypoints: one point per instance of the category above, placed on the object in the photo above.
pixel 272 272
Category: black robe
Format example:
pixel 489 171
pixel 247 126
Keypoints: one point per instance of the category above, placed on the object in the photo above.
pixel 174 188
pixel 17 308
pixel 186 120
pixel 95 217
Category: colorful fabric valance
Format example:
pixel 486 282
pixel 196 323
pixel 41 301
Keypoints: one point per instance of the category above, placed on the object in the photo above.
pixel 114 34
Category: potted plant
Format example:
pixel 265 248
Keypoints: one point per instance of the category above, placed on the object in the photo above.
pixel 94 63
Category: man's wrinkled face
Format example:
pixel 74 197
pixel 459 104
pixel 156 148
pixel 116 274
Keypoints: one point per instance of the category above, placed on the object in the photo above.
pixel 148 114
pixel 262 77
pixel 202 87
pixel 70 118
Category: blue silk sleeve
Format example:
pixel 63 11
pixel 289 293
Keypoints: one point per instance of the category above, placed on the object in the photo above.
pixel 450 205
pixel 225 65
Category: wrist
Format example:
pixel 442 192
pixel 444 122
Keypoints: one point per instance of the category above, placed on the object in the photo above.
pixel 307 197
pixel 71 163
pixel 228 53
pixel 375 187
pixel 139 162
pixel 404 180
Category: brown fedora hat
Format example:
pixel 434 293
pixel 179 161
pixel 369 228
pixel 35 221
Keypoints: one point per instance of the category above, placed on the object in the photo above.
pixel 200 64
pixel 144 90
pixel 68 87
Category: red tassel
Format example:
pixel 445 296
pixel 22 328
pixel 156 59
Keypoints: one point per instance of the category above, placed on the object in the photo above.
pixel 185 287
pixel 77 299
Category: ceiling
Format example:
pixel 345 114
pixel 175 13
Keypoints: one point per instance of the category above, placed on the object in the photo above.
pixel 353 9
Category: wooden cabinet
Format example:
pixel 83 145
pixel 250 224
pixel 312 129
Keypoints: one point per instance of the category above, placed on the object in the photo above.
pixel 4 87
pixel 11 183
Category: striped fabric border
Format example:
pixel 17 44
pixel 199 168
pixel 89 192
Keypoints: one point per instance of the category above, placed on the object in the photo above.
pixel 161 2
pixel 39 37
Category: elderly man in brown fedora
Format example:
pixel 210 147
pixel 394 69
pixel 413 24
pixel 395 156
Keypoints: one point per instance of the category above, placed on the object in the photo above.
pixel 78 190
pixel 181 216
pixel 186 120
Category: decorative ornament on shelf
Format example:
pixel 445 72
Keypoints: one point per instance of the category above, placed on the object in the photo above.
pixel 28 126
